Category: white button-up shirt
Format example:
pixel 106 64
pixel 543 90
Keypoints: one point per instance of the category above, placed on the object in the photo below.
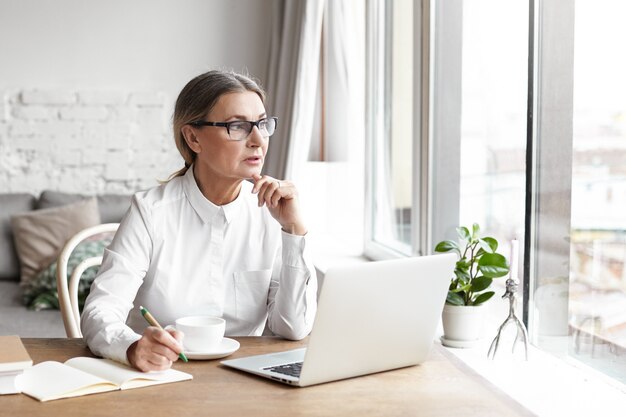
pixel 178 254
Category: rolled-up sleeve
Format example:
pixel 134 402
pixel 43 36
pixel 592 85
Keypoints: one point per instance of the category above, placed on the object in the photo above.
pixel 124 266
pixel 292 301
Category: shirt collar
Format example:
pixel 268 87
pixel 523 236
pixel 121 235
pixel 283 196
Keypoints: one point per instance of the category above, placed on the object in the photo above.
pixel 205 208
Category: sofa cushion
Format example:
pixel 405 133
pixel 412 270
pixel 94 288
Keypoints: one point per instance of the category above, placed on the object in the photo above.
pixel 40 235
pixel 112 206
pixel 41 293
pixel 11 204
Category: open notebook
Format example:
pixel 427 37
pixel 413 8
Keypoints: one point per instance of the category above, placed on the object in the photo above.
pixel 80 376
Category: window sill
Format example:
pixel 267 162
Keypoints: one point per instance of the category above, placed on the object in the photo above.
pixel 545 384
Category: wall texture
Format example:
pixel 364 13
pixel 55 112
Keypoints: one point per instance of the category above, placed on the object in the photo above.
pixel 84 141
pixel 87 88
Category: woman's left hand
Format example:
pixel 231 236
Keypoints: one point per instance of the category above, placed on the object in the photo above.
pixel 281 198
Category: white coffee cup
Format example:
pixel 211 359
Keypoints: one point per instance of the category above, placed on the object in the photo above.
pixel 202 333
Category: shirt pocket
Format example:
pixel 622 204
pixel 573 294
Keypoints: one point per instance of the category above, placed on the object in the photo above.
pixel 251 292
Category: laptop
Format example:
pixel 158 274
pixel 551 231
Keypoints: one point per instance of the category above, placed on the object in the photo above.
pixel 371 317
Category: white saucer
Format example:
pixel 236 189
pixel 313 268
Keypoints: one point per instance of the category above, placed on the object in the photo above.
pixel 227 347
pixel 459 343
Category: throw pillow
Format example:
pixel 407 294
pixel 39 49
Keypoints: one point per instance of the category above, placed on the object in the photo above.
pixel 11 204
pixel 41 234
pixel 41 292
pixel 112 207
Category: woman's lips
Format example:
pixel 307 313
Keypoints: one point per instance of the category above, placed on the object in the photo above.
pixel 254 160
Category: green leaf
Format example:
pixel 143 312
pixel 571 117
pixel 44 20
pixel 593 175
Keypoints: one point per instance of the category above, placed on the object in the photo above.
pixel 482 298
pixel 481 283
pixel 492 243
pixel 447 246
pixel 463 233
pixel 45 301
pixel 454 299
pixel 475 230
pixel 493 265
pixel 485 246
pixel 463 288
pixel 462 264
pixel 462 274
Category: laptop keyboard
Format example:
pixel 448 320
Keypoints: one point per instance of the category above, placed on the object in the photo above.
pixel 291 369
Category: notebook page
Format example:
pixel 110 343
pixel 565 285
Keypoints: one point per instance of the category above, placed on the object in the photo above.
pixel 123 375
pixel 52 380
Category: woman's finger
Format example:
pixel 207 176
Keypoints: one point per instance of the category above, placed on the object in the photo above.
pixel 158 347
pixel 166 339
pixel 264 189
pixel 271 194
pixel 164 352
pixel 276 196
pixel 158 363
pixel 176 334
pixel 259 181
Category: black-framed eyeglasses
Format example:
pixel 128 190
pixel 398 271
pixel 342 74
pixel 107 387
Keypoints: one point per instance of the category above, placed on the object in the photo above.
pixel 241 129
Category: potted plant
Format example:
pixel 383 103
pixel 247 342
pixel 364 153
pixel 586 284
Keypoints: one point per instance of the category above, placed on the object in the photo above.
pixel 478 265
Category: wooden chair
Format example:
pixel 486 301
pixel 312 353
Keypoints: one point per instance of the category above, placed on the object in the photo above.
pixel 68 292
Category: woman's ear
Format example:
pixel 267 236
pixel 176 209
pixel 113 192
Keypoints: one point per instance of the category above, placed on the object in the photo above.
pixel 189 134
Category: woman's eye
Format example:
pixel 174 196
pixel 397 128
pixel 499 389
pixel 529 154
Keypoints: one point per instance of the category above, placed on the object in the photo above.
pixel 238 127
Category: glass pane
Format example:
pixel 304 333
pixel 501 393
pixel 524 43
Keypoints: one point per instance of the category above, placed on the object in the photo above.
pixel 393 151
pixel 597 308
pixel 493 122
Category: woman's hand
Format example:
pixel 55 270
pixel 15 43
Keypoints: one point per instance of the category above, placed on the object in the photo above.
pixel 281 198
pixel 156 350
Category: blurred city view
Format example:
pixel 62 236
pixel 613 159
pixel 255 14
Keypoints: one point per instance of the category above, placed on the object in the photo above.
pixel 493 158
pixel 598 238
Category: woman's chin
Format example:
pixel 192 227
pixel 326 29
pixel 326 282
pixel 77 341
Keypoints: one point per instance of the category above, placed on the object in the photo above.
pixel 252 171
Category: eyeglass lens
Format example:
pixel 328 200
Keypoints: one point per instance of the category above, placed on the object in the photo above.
pixel 241 130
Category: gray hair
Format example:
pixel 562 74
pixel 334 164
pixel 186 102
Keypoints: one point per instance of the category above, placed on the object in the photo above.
pixel 198 98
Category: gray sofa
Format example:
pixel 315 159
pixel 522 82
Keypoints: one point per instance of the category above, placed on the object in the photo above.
pixel 15 318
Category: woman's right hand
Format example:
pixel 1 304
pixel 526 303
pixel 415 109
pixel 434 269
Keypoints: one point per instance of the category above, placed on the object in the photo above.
pixel 156 350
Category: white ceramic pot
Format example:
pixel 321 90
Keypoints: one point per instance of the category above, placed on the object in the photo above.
pixel 462 325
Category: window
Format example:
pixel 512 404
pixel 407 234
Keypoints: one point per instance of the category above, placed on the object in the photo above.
pixel 579 278
pixel 518 124
pixel 493 117
pixel 456 156
pixel 394 128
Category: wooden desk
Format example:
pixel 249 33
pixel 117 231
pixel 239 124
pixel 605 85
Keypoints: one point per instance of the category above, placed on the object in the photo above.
pixel 442 386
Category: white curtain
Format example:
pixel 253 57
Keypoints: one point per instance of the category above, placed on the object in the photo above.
pixel 292 81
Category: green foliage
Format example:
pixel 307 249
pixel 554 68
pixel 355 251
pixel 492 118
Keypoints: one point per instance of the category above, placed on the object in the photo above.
pixel 41 293
pixel 478 265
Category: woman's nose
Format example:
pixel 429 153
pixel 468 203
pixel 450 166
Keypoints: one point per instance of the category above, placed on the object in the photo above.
pixel 255 138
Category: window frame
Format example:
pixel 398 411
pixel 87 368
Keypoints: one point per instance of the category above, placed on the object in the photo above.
pixel 549 163
pixel 378 124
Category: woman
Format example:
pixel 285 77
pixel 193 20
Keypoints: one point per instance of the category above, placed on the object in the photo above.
pixel 207 242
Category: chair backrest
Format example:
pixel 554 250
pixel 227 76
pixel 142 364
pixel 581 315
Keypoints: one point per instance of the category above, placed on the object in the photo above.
pixel 68 291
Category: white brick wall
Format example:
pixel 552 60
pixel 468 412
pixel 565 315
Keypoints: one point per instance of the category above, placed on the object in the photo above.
pixel 34 112
pixel 49 97
pixel 84 141
pixel 76 113
pixel 3 106
pixel 147 99
pixel 101 97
